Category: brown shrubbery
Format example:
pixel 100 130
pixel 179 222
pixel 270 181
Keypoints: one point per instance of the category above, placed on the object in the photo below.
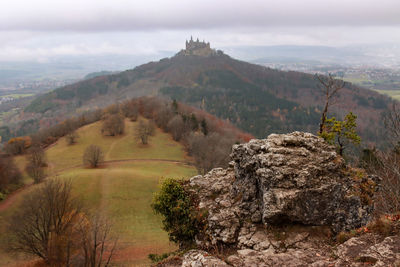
pixel 176 126
pixel 210 150
pixel 386 165
pixel 387 168
pixel 10 176
pixel 18 145
pixel 36 163
pixel 51 224
pixel 113 124
pixel 130 110
pixel 206 138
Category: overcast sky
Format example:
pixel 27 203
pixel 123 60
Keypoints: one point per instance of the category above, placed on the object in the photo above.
pixel 41 29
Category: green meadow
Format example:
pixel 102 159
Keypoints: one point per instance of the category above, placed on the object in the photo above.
pixel 121 188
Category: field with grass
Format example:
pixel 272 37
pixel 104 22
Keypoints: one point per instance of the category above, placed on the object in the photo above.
pixel 395 94
pixel 121 188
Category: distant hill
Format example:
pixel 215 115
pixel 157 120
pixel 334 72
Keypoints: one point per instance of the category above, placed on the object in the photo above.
pixel 99 73
pixel 257 99
pixel 317 53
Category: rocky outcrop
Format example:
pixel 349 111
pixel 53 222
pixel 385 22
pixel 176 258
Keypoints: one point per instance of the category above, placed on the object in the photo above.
pixel 371 249
pixel 368 250
pixel 295 178
pixel 198 258
pixel 280 201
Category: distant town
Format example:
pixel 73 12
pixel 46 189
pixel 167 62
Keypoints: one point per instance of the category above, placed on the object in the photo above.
pixel 36 85
pixel 371 77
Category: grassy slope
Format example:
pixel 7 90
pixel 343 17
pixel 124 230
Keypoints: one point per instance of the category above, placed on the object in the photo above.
pixel 123 190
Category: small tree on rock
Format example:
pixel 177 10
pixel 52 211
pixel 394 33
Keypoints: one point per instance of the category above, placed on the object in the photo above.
pixel 93 156
pixel 180 219
pixel 341 132
pixel 331 87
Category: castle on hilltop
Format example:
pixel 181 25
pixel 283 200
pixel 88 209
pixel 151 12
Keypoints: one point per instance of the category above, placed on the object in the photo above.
pixel 194 45
pixel 197 48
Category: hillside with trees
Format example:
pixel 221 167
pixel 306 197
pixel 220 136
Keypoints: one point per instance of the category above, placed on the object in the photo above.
pixel 256 99
pixel 77 168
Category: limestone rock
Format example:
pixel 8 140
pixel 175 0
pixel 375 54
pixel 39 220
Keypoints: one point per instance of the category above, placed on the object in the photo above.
pixel 370 249
pixel 287 179
pixel 198 258
pixel 297 178
pixel 366 250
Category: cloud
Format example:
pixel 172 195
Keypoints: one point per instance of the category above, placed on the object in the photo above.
pixel 42 29
pixel 132 15
pixel 43 46
pixel 40 46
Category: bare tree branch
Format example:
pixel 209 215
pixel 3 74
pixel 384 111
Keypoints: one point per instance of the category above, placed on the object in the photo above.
pixel 331 88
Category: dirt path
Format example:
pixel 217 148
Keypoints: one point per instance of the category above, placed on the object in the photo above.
pixel 13 196
pixel 103 189
pixel 111 148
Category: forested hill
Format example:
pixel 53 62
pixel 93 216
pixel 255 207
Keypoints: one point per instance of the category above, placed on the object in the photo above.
pixel 257 99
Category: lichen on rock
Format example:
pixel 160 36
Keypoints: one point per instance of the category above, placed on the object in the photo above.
pixel 284 179
pixel 298 178
pixel 297 181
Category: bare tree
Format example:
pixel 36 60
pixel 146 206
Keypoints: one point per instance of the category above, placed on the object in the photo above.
pixel 9 173
pixel 71 138
pixel 176 127
pixel 113 109
pixel 163 116
pixel 392 123
pixel 50 224
pixel 143 130
pixel 36 163
pixel 209 151
pixel 97 243
pixel 42 224
pixel 93 156
pixel 387 167
pixel 113 125
pixel 331 88
pixel 130 110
